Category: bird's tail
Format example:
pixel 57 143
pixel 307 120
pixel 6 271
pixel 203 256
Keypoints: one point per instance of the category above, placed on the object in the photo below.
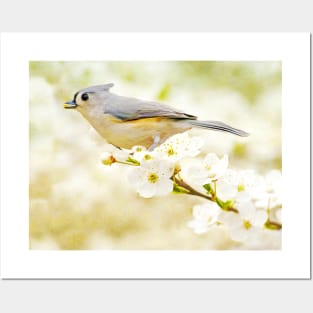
pixel 219 126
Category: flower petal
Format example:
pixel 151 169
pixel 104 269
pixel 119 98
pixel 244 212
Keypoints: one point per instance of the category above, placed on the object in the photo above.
pixel 164 187
pixel 147 190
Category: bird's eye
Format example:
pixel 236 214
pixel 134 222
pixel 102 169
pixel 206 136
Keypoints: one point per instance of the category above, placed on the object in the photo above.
pixel 85 96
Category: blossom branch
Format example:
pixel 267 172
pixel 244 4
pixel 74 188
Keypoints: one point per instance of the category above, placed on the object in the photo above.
pixel 188 189
pixel 250 197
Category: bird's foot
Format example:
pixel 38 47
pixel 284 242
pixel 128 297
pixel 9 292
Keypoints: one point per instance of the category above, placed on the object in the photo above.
pixel 156 142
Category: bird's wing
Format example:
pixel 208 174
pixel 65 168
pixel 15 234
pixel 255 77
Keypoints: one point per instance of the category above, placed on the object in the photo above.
pixel 128 109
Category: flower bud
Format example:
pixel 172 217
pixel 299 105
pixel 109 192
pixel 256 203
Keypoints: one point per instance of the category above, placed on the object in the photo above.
pixel 107 158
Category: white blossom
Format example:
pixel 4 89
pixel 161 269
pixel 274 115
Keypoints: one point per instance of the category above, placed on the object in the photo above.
pixel 210 170
pixel 239 185
pixel 204 216
pixel 140 153
pixel 270 195
pixel 193 146
pixel 252 195
pixel 215 167
pixel 180 146
pixel 118 154
pixel 107 158
pixel 244 224
pixel 152 178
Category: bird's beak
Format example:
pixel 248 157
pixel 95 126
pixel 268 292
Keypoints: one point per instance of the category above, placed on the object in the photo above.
pixel 70 105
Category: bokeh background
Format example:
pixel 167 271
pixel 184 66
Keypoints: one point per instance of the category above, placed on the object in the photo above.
pixel 78 203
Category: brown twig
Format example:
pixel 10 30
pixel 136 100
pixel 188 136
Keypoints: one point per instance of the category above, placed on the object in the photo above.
pixel 190 190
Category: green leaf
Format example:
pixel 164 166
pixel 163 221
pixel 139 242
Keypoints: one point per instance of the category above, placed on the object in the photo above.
pixel 133 161
pixel 179 189
pixel 228 204
pixel 208 188
pixel 220 203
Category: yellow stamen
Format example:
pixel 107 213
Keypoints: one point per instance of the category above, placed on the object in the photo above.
pixel 170 151
pixel 147 157
pixel 153 178
pixel 247 224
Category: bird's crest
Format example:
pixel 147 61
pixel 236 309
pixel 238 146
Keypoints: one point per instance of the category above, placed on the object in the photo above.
pixel 97 88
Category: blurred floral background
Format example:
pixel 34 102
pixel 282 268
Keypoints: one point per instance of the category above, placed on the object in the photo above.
pixel 78 203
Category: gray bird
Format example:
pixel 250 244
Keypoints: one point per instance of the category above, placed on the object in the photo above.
pixel 126 122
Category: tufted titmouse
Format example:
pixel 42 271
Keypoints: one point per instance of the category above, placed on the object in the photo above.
pixel 125 122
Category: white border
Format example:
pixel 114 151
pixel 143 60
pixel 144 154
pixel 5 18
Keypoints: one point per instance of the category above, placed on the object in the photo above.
pixel 17 261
